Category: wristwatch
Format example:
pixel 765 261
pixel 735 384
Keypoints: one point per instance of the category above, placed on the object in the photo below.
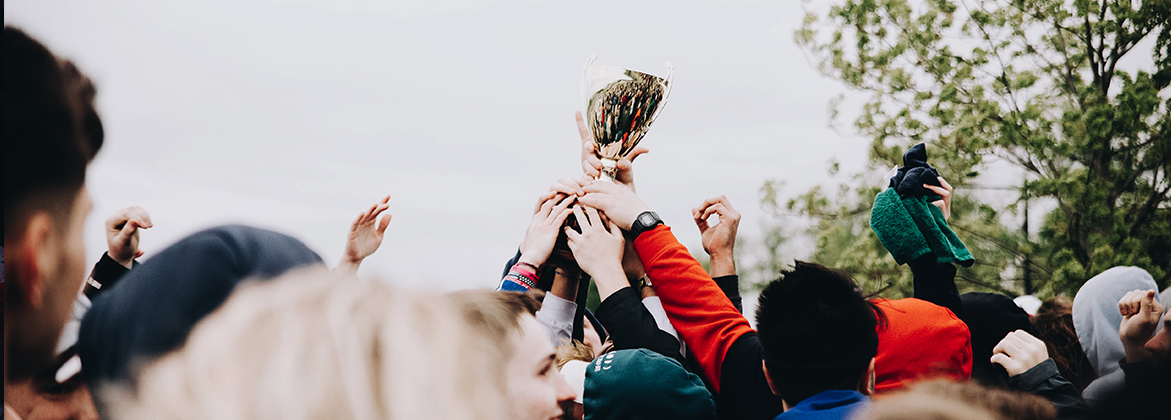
pixel 644 222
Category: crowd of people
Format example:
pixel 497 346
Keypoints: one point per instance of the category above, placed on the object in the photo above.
pixel 236 322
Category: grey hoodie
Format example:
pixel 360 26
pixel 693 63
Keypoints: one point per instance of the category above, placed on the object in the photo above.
pixel 1096 319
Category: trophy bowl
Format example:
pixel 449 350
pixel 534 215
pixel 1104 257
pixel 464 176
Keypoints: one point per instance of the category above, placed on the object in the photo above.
pixel 620 105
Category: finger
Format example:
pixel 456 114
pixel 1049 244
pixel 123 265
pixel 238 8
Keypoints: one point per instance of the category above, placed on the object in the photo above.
pixel 1000 359
pixel 1148 303
pixel 1009 347
pixel 568 186
pixel 591 166
pixel 582 130
pixel 127 231
pixel 143 217
pixel 602 187
pixel 716 200
pixel 599 218
pixel 638 151
pixel 546 196
pixel 582 220
pixel 945 185
pixel 597 201
pixel 563 204
pixel 377 211
pixel 117 220
pixel 370 211
pixel 1029 339
pixel 1126 303
pixel 138 224
pixel 937 190
pixel 384 222
pixel 546 207
pixel 561 216
pixel 573 236
pixel 717 209
pixel 595 218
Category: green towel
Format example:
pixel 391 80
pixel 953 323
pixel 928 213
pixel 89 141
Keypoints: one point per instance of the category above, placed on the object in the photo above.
pixel 911 227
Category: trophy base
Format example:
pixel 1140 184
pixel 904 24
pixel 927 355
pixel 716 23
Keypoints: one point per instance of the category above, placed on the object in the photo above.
pixel 609 170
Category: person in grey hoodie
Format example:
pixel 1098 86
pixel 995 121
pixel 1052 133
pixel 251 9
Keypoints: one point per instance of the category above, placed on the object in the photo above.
pixel 1096 319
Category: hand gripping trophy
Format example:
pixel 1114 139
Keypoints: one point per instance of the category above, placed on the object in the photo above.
pixel 620 104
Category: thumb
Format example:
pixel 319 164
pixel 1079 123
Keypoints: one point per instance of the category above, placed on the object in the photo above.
pixel 382 224
pixel 636 152
pixel 1149 302
pixel 128 230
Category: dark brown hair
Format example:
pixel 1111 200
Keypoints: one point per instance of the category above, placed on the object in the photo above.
pixel 1054 324
pixel 51 131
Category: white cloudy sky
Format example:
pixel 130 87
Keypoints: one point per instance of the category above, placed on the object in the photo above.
pixel 296 115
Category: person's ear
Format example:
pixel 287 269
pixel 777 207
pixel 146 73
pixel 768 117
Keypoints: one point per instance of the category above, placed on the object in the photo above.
pixel 866 383
pixel 769 378
pixel 29 260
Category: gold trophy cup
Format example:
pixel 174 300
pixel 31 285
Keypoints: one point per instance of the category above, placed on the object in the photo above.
pixel 620 104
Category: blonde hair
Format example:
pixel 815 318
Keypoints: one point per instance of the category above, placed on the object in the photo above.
pixel 312 345
pixel 573 350
pixel 946 400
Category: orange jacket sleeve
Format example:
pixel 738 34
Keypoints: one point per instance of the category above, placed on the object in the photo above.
pixel 699 310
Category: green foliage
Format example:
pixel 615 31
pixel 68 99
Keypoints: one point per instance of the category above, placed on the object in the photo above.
pixel 1033 83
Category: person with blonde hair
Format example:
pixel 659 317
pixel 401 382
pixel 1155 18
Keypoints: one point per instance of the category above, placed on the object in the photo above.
pixel 947 400
pixel 314 345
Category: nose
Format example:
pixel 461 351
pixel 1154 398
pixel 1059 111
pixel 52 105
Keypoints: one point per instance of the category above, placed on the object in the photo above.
pixel 564 391
pixel 1160 344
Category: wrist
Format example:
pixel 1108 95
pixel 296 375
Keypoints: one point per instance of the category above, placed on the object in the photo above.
pixel 530 260
pixel 722 265
pixel 125 262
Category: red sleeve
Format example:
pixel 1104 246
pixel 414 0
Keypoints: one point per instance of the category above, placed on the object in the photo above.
pixel 698 309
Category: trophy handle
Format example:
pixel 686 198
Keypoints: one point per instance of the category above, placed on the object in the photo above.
pixel 585 98
pixel 667 89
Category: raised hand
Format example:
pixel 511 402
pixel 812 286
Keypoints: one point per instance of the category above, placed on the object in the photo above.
pixel 365 235
pixel 122 234
pixel 1141 313
pixel 545 227
pixel 618 202
pixel 1018 352
pixel 719 240
pixel 598 249
pixel 592 165
pixel 944 203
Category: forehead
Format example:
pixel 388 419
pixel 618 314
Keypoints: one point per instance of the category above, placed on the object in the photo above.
pixel 532 344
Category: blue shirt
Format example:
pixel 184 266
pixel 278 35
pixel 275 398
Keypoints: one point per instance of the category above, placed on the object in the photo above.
pixel 834 404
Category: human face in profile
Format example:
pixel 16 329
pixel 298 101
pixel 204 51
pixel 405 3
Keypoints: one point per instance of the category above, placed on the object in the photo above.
pixel 536 390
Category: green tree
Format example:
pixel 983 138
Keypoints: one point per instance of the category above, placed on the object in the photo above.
pixel 1034 83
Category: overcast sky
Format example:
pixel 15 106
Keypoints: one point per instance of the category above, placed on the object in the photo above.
pixel 295 116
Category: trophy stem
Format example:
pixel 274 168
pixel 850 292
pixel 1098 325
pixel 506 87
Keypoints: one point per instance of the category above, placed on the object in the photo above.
pixel 609 170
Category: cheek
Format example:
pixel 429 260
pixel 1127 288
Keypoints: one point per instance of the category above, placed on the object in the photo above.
pixel 533 398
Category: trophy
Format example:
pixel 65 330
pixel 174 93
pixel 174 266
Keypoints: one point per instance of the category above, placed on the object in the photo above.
pixel 620 106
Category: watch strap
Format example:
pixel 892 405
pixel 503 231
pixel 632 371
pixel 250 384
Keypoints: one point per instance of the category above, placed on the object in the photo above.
pixel 645 221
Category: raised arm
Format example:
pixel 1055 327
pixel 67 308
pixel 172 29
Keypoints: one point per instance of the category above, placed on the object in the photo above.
pixel 365 236
pixel 540 237
pixel 935 282
pixel 719 241
pixel 122 237
pixel 699 310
